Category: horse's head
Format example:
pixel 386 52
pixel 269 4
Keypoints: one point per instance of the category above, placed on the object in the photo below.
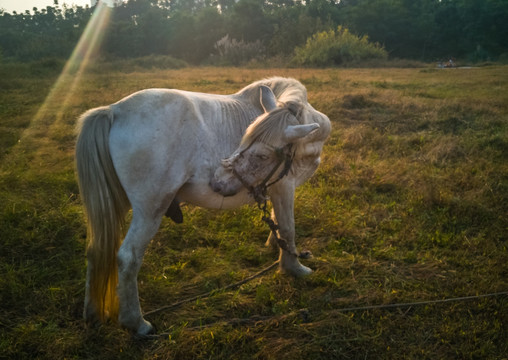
pixel 266 151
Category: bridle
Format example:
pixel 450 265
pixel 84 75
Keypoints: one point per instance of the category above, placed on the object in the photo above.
pixel 285 154
pixel 259 192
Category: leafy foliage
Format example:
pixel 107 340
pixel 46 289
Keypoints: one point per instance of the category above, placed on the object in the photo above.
pixel 336 48
pixel 423 30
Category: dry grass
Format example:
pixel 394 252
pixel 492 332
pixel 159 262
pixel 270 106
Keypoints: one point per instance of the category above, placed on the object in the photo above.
pixel 409 204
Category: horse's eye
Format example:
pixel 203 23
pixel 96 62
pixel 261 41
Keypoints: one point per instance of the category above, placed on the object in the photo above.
pixel 262 157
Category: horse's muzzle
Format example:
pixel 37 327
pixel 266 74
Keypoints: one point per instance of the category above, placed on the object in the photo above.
pixel 222 188
pixel 225 183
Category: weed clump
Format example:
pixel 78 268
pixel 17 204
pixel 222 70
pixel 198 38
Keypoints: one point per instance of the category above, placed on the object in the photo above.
pixel 337 47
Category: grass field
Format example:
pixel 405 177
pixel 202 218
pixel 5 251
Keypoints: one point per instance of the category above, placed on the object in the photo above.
pixel 409 205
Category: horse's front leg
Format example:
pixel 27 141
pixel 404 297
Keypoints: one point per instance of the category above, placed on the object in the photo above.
pixel 130 256
pixel 283 196
pixel 272 241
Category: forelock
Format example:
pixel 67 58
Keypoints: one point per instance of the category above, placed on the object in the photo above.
pixel 268 128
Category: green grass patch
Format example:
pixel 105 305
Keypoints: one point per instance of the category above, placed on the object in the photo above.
pixel 409 204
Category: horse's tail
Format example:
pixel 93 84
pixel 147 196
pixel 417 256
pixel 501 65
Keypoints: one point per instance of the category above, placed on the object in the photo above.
pixel 106 204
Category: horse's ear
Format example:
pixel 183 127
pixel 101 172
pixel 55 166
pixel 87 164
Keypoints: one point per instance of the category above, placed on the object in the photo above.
pixel 295 132
pixel 267 98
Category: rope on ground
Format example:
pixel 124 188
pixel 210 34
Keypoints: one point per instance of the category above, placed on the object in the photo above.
pixel 304 313
pixel 418 303
pixel 208 294
pixel 348 309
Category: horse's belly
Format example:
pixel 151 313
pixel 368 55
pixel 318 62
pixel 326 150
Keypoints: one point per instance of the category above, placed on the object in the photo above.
pixel 204 196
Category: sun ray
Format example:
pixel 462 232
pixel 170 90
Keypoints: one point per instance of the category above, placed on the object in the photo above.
pixel 65 86
pixel 44 142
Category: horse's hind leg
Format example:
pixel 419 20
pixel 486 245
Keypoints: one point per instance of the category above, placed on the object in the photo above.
pixel 130 256
pixel 90 311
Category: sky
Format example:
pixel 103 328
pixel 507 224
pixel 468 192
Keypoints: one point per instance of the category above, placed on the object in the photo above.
pixel 21 5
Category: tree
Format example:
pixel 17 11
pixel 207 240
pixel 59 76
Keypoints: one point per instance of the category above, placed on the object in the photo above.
pixel 292 26
pixel 248 22
pixel 210 27
pixel 418 29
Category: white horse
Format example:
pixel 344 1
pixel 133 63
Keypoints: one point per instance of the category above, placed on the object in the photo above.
pixel 159 147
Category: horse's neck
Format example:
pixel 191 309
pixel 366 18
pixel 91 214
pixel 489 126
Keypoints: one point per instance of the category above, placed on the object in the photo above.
pixel 250 96
pixel 240 112
pixel 237 114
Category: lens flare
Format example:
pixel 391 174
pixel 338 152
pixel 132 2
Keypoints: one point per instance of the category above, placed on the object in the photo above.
pixel 88 45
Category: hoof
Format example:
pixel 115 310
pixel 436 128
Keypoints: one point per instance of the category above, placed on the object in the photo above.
pixel 145 330
pixel 289 264
pixel 139 328
pixel 306 254
pixel 296 271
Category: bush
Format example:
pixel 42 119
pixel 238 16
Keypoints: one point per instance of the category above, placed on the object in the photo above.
pixel 337 47
pixel 233 52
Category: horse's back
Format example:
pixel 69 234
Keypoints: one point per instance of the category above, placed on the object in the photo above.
pixel 150 100
pixel 146 105
pixel 162 138
pixel 150 142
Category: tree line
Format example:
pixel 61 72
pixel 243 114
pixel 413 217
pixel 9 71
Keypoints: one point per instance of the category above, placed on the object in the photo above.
pixel 200 31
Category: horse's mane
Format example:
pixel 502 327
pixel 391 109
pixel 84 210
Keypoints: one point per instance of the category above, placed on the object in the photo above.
pixel 291 96
pixel 269 127
pixel 285 90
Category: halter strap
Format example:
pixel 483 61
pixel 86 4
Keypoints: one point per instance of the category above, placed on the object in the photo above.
pixel 284 155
